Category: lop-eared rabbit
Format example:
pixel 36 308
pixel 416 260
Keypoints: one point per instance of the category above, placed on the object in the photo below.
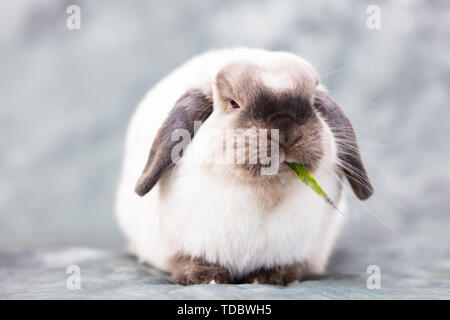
pixel 235 221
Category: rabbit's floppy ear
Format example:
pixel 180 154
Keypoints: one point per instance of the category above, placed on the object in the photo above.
pixel 193 106
pixel 348 152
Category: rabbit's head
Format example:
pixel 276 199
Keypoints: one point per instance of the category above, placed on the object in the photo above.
pixel 255 117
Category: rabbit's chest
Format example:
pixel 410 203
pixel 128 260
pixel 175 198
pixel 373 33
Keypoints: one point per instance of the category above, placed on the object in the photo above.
pixel 230 228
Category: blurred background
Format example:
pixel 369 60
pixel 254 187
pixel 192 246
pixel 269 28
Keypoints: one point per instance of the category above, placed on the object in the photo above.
pixel 66 97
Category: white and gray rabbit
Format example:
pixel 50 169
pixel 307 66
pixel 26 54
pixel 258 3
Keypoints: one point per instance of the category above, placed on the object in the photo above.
pixel 225 220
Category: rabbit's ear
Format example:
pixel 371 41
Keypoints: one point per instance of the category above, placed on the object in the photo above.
pixel 193 106
pixel 348 152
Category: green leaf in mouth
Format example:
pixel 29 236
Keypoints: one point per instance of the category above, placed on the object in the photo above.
pixel 303 174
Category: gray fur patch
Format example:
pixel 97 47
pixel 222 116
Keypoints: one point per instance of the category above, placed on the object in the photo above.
pixel 348 151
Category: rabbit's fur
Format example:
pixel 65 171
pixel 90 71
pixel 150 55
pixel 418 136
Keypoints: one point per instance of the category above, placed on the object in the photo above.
pixel 227 222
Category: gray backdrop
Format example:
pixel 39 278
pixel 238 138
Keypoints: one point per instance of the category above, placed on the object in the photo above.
pixel 66 97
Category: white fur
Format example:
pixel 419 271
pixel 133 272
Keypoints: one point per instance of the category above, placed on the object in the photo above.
pixel 191 212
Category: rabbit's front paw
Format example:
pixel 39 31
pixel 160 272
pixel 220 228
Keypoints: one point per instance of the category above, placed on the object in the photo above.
pixel 281 275
pixel 189 271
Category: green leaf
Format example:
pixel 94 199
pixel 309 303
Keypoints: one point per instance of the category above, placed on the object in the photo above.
pixel 303 174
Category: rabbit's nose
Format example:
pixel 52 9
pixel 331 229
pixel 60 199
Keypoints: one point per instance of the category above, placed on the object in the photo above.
pixel 285 124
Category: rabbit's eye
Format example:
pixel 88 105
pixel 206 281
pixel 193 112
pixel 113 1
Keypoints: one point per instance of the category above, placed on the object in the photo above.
pixel 234 104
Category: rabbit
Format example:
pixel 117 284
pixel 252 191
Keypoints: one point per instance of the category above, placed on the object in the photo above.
pixel 222 222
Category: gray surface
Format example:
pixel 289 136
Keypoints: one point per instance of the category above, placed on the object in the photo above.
pixel 66 97
pixel 108 274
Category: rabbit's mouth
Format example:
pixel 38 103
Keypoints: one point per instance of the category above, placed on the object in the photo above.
pixel 277 162
pixel 264 168
pixel 262 161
